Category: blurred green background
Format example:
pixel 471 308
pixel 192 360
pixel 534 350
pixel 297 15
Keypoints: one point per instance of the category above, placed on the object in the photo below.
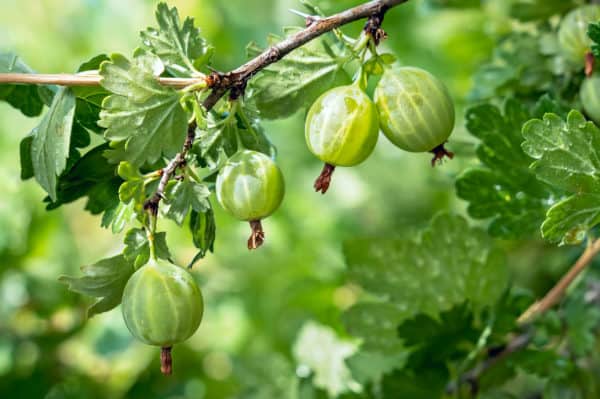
pixel 257 303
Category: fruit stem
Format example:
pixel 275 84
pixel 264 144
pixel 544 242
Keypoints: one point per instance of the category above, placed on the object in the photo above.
pixel 324 179
pixel 439 153
pixel 257 238
pixel 166 361
pixel 589 64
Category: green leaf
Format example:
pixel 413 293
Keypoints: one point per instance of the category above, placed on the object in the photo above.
pixel 203 228
pixel 324 353
pixel 29 99
pixel 137 249
pixel 51 143
pixel 182 195
pixel 180 47
pixel 133 189
pixel 91 176
pixel 567 157
pixel 222 137
pixel 503 188
pixel 89 98
pixel 146 116
pixel 594 34
pixel 104 280
pixel 449 264
pixel 298 79
pixel 25 157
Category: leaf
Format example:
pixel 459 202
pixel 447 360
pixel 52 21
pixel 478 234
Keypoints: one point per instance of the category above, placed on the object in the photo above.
pixel 25 157
pixel 137 249
pixel 90 176
pixel 182 195
pixel 133 189
pixel 203 228
pixel 89 98
pixel 567 157
pixel 104 280
pixel 29 99
pixel 180 47
pixel 298 79
pixel 144 115
pixel 222 137
pixel 449 264
pixel 319 348
pixel 51 143
pixel 594 34
pixel 503 188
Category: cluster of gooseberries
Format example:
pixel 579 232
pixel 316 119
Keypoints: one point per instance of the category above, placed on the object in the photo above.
pixel 162 304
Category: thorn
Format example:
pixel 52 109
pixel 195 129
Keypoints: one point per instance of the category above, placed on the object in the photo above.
pixel 310 19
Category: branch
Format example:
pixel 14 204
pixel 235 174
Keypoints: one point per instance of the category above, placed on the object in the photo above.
pixel 519 342
pixel 556 293
pixel 235 81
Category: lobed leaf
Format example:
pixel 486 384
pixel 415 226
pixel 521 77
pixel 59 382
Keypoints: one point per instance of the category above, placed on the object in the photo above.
pixel 104 280
pixel 179 46
pixel 144 116
pixel 566 156
pixel 449 263
pixel 503 188
pixel 298 79
pixel 182 195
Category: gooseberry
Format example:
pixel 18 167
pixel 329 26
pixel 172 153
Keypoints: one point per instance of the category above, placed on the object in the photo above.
pixel 250 187
pixel 162 305
pixel 590 97
pixel 573 39
pixel 416 112
pixel 341 130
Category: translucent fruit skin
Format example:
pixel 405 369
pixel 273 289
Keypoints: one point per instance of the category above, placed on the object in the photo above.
pixel 416 112
pixel 162 304
pixel 342 127
pixel 572 34
pixel 590 97
pixel 250 186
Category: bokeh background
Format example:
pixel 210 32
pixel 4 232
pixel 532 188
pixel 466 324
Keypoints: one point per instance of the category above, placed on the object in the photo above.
pixel 256 303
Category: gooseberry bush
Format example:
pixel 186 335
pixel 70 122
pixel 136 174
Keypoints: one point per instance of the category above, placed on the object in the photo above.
pixel 153 135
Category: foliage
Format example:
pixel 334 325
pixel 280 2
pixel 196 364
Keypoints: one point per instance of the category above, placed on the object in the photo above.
pixel 416 301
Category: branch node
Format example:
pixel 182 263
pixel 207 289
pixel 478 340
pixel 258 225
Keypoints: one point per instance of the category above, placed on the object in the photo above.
pixel 373 26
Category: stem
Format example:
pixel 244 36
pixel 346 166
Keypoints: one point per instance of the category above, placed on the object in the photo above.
pixel 166 361
pixel 324 180
pixel 257 238
pixel 556 293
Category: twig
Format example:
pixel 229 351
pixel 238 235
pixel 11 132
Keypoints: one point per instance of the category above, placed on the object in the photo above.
pixel 556 293
pixel 80 79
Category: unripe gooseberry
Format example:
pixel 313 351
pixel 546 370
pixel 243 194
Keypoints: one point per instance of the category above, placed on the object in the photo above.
pixel 250 187
pixel 573 39
pixel 341 130
pixel 162 305
pixel 590 97
pixel 416 112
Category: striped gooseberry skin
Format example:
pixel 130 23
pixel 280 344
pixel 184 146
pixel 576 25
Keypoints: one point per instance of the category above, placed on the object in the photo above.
pixel 342 127
pixel 590 97
pixel 416 112
pixel 250 186
pixel 162 304
pixel 572 34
